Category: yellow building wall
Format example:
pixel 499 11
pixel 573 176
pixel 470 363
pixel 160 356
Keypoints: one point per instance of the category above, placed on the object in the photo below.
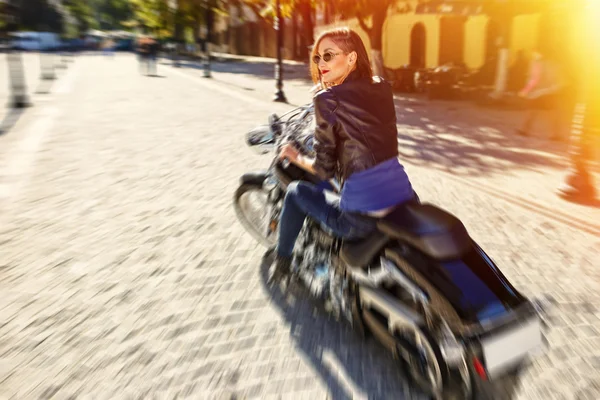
pixel 396 40
pixel 524 35
pixel 396 37
pixel 474 50
pixel 398 27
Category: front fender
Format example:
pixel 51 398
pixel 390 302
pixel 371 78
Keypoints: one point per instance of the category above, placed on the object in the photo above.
pixel 253 178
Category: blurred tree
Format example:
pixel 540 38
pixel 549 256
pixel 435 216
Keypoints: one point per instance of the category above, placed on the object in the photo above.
pixel 265 11
pixel 111 14
pixel 5 15
pixel 39 15
pixel 306 9
pixel 82 14
pixel 151 15
pixel 194 17
pixel 196 13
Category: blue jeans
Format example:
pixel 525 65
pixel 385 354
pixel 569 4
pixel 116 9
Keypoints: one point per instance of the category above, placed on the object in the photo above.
pixel 303 199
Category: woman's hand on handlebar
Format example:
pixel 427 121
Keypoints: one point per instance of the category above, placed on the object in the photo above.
pixel 290 153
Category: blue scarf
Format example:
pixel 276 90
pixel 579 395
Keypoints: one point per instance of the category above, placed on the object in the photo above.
pixel 382 186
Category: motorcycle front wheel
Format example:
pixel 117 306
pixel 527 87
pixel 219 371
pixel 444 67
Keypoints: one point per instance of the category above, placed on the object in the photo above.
pixel 254 210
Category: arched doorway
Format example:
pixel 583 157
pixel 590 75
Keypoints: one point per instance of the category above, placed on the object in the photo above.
pixel 418 46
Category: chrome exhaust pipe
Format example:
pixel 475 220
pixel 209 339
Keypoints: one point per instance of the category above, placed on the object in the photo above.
pixel 397 314
pixel 388 272
pixel 400 347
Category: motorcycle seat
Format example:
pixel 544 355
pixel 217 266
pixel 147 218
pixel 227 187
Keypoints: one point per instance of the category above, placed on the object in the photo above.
pixel 359 253
pixel 428 228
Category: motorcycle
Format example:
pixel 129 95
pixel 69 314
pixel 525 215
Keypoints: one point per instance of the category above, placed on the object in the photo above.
pixel 420 284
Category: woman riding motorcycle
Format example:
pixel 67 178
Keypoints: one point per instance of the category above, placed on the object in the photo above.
pixel 356 140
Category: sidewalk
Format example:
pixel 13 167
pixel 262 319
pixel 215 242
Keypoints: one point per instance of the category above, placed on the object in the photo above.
pixel 473 145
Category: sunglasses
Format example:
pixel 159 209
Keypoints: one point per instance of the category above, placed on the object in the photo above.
pixel 327 56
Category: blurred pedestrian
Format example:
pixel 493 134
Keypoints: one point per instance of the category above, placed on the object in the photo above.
pixel 543 92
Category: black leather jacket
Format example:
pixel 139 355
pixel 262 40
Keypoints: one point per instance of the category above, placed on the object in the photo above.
pixel 355 127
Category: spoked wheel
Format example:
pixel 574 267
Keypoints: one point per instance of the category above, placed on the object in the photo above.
pixel 254 210
pixel 423 363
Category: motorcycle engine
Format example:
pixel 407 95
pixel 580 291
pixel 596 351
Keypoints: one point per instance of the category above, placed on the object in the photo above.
pixel 314 263
pixel 313 267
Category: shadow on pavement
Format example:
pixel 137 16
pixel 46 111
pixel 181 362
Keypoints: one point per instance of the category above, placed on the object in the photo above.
pixel 10 119
pixel 463 139
pixel 345 362
pixel 45 86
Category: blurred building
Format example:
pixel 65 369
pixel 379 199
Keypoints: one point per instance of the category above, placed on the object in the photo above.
pixel 459 33
pixel 244 32
pixel 421 37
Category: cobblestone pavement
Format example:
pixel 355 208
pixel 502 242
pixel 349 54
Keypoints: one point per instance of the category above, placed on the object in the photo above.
pixel 125 274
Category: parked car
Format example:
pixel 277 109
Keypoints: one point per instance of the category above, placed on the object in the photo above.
pixel 35 41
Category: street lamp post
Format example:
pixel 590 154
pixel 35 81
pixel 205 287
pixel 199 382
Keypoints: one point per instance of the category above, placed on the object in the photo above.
pixel 279 95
